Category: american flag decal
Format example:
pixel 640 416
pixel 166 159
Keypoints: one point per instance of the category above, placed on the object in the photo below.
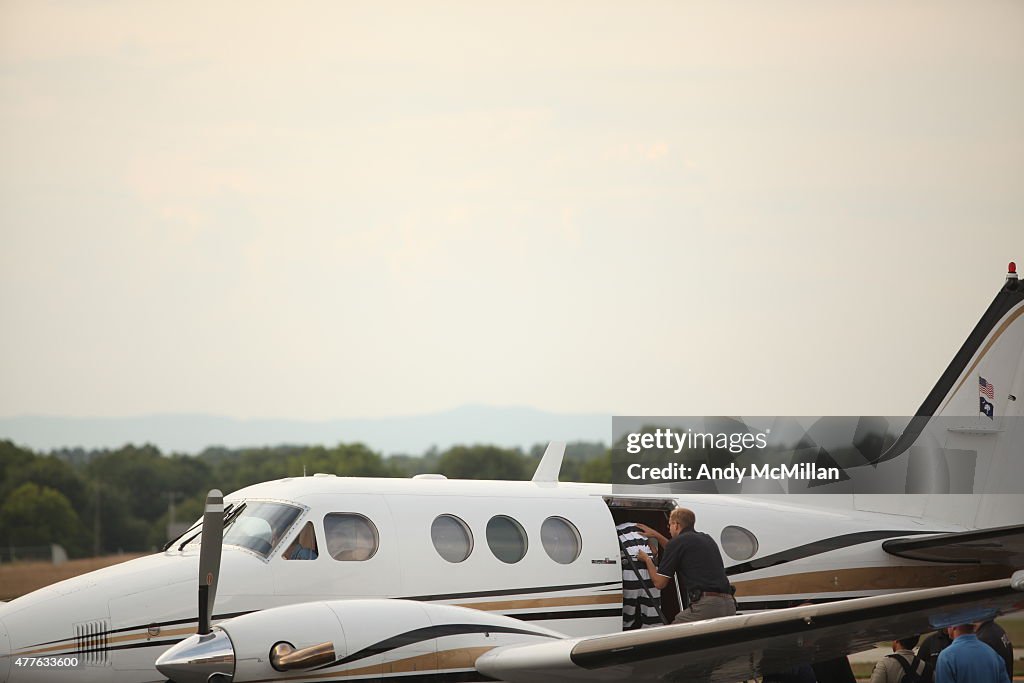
pixel 987 389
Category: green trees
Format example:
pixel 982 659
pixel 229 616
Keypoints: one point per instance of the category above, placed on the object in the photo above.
pixel 37 515
pixel 110 500
pixel 483 462
pixel 12 459
pixel 232 470
pixel 39 496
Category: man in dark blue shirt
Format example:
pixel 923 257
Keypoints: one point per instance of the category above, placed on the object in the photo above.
pixel 993 635
pixel 930 649
pixel 694 557
pixel 969 660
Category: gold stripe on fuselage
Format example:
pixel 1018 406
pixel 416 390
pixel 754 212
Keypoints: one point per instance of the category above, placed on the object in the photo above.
pixel 112 639
pixel 899 577
pixel 533 603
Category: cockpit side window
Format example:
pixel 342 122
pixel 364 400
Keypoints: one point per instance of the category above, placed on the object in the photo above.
pixel 304 545
pixel 350 537
pixel 261 525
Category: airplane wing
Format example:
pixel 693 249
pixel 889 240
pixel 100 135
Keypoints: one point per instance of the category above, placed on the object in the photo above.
pixel 741 647
pixel 1000 544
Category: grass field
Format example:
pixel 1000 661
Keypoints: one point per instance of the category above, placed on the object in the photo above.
pixel 19 578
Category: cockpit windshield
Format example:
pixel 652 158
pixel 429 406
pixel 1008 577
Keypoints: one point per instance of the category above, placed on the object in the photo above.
pixel 261 526
pixel 257 525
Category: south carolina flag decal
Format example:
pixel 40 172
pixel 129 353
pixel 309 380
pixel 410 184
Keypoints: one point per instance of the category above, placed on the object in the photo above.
pixel 986 408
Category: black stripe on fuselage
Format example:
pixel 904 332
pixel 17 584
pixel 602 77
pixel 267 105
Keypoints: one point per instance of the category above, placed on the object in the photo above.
pixel 568 614
pixel 148 643
pixel 160 624
pixel 508 591
pixel 426 633
pixel 817 548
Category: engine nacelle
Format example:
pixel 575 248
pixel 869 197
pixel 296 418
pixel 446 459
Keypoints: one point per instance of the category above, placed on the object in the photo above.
pixel 353 638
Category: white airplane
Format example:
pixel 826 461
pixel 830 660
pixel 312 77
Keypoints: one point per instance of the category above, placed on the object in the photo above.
pixel 327 578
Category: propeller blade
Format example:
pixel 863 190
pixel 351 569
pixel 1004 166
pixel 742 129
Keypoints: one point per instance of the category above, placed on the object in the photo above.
pixel 209 557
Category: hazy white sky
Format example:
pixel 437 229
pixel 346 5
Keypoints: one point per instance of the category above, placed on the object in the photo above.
pixel 318 210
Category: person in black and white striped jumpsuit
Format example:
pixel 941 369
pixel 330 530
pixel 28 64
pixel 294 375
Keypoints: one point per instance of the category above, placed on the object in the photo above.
pixel 633 594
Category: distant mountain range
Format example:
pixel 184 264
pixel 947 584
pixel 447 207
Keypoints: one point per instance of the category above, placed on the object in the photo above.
pixel 413 435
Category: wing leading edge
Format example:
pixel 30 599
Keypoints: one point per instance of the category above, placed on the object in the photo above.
pixel 738 648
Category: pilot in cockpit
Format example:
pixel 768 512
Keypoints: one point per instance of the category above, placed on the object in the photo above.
pixel 304 545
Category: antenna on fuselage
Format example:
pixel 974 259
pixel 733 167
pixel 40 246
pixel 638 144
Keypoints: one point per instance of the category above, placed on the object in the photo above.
pixel 551 464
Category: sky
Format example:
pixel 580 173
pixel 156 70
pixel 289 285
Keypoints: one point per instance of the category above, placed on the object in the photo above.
pixel 325 210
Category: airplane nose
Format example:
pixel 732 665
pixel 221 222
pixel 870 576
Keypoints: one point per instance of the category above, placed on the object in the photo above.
pixel 5 654
pixel 199 659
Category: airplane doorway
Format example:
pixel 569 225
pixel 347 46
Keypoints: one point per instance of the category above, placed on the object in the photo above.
pixel 654 513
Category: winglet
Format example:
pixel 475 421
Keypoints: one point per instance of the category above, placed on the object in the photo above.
pixel 551 464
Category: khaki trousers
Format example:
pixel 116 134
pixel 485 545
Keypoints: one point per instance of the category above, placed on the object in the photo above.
pixel 708 607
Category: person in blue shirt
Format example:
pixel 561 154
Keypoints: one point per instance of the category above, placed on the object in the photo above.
pixel 968 660
pixel 304 547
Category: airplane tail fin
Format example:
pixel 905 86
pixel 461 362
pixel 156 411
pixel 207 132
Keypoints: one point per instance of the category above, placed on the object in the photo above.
pixel 986 375
pixel 968 435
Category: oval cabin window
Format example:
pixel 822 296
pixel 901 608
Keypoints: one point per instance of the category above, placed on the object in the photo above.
pixel 561 540
pixel 738 543
pixel 452 538
pixel 350 537
pixel 506 539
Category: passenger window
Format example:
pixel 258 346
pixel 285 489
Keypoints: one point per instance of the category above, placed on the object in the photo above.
pixel 506 539
pixel 350 537
pixel 739 543
pixel 452 538
pixel 304 545
pixel 561 540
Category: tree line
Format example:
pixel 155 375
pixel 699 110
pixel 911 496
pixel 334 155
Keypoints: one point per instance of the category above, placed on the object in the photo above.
pixel 95 502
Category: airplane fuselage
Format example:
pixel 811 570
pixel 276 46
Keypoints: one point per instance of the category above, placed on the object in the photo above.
pixel 538 552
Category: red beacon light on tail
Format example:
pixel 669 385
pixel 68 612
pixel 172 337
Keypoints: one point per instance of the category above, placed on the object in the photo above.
pixel 1012 268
